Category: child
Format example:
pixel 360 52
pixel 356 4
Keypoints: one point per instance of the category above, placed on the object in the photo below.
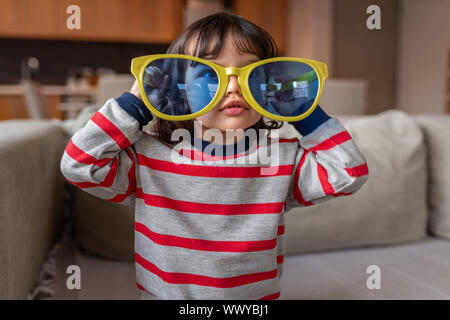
pixel 204 230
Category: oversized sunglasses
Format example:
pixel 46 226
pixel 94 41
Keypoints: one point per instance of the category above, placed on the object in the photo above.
pixel 180 87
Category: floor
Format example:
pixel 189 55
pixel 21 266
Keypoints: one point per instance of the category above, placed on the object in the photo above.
pixel 413 271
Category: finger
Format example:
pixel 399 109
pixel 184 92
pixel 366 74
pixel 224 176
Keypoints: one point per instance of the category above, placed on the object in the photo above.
pixel 135 90
pixel 165 82
pixel 154 76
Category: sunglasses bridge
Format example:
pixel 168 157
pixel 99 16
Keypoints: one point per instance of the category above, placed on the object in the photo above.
pixel 233 71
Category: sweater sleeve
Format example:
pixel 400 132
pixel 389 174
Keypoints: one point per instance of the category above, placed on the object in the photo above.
pixel 100 158
pixel 328 163
pixel 310 123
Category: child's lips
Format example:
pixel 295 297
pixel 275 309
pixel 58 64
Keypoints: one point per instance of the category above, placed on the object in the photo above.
pixel 233 111
pixel 234 107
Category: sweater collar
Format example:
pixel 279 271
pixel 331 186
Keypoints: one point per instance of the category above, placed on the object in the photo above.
pixel 227 149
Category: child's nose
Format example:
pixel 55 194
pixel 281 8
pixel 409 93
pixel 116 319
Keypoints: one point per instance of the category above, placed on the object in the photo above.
pixel 233 86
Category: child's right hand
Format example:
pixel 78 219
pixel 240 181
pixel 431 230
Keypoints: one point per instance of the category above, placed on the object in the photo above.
pixel 157 84
pixel 135 90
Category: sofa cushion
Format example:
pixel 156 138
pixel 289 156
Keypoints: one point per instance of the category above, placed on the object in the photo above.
pixel 102 227
pixel 437 135
pixel 390 208
pixel 412 271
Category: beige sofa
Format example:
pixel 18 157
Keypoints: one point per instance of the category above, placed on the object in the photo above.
pixel 399 222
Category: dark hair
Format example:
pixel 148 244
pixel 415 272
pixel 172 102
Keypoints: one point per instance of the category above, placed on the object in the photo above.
pixel 210 32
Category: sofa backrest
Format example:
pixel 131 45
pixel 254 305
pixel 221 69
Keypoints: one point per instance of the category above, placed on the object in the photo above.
pixel 390 208
pixel 436 129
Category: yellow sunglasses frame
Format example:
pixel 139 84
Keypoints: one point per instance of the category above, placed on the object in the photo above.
pixel 139 64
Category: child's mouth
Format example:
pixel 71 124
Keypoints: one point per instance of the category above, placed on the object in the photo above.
pixel 234 107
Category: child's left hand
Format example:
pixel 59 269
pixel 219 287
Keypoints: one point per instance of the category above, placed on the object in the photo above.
pixel 135 90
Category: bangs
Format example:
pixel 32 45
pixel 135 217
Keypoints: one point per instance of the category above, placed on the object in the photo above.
pixel 262 47
pixel 207 36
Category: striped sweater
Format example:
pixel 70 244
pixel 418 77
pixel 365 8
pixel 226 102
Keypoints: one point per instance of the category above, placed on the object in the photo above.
pixel 207 226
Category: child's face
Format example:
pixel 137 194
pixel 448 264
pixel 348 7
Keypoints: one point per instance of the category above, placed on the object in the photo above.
pixel 219 118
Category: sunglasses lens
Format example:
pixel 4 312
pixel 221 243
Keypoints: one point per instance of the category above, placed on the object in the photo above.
pixel 176 86
pixel 284 88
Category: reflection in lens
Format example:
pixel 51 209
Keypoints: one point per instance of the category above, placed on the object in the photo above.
pixel 176 86
pixel 284 88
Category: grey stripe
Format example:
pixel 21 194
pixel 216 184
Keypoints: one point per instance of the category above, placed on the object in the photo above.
pixel 252 227
pixel 205 263
pixel 215 190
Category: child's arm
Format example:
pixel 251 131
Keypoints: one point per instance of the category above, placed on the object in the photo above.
pixel 328 163
pixel 99 158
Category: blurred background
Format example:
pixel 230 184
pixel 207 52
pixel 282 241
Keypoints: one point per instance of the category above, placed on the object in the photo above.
pixel 403 65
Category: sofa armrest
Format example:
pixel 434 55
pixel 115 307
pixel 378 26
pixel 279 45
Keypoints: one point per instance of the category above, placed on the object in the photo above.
pixel 31 200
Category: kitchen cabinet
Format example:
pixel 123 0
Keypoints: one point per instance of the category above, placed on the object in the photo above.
pixel 152 21
pixel 9 16
pixel 37 18
pixel 163 20
pixel 267 14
